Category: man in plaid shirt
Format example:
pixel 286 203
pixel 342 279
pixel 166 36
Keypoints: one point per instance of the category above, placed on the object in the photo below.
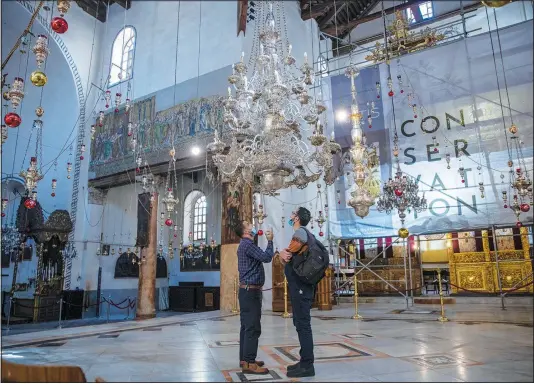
pixel 250 259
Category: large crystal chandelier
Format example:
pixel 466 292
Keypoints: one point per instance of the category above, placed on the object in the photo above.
pixel 264 147
pixel 363 158
pixel 401 193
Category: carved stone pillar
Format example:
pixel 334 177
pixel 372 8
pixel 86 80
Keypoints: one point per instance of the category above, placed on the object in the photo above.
pixel 146 296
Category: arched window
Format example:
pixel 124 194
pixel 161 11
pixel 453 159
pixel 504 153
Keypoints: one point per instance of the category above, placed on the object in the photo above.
pixel 199 219
pixel 322 65
pixel 195 217
pixel 122 56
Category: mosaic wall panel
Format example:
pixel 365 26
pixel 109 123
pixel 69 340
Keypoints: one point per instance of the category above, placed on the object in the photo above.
pixel 156 132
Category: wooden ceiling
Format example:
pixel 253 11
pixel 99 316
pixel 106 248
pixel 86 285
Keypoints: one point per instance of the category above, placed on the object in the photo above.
pixel 99 8
pixel 333 16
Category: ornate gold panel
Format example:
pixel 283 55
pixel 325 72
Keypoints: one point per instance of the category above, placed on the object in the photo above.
pixel 514 275
pixel 507 255
pixel 472 278
pixel 468 257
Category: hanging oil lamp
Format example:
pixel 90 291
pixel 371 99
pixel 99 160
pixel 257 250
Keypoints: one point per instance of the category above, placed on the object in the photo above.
pixel 54 185
pixel 16 92
pixel 320 221
pixel 117 101
pixel 213 243
pixel 390 87
pixel 481 188
pixel 69 169
pixel 130 128
pixel 4 133
pixel 107 96
pixel 448 160
pixel 93 131
pixel 127 105
pixel 100 118
pixel 377 90
pixel 399 78
pixel 40 49
pixel 190 236
pixel 82 151
pixel 31 176
pixel 435 144
pixel 414 109
pixel 461 171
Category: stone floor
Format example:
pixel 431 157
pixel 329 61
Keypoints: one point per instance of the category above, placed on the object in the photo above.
pixel 480 343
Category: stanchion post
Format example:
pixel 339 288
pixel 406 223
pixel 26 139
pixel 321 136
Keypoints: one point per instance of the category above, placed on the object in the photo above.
pixel 286 314
pixel 499 281
pixel 442 318
pixel 101 299
pixel 129 303
pixel 356 315
pixel 9 312
pixel 109 308
pixel 235 311
pixel 60 311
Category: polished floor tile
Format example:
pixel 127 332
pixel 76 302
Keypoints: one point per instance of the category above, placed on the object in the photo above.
pixel 389 348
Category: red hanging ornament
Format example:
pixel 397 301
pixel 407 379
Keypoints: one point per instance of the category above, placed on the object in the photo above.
pixel 525 207
pixel 398 192
pixel 260 232
pixel 30 203
pixel 518 224
pixel 53 194
pixel 321 234
pixel 59 25
pixel 505 205
pixel 12 120
pixel 391 93
pixel 168 222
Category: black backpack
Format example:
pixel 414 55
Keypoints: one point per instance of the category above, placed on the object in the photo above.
pixel 312 266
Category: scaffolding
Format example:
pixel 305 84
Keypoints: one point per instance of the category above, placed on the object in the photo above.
pixel 510 252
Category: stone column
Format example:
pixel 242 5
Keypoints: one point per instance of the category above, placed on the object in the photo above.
pixel 146 294
pixel 236 204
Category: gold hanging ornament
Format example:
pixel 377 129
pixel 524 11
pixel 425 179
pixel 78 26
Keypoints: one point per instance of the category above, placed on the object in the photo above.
pixel 495 3
pixel 404 233
pixel 38 78
pixel 39 111
pixel 63 7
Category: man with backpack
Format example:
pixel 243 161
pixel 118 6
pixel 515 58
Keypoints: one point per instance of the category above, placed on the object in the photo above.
pixel 306 261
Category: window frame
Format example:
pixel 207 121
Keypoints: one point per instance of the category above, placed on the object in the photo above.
pixel 122 56
pixel 408 12
pixel 322 64
pixel 204 216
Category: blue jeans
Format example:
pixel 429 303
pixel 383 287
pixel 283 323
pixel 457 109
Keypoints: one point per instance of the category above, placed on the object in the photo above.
pixel 250 304
pixel 302 295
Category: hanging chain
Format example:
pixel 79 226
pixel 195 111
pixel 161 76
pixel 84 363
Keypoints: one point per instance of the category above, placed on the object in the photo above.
pixel 23 34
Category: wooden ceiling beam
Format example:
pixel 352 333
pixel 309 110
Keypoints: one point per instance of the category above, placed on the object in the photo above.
pixel 126 4
pixel 341 29
pixel 94 8
pixel 332 13
pixel 316 10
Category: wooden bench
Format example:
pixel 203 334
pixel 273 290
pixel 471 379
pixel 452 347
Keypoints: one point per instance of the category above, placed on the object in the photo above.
pixel 23 373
